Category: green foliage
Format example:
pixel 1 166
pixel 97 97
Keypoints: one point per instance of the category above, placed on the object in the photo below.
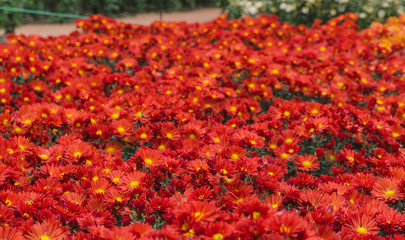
pixel 306 11
pixel 10 20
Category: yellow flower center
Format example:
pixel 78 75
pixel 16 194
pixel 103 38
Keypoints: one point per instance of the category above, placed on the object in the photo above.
pixel 100 191
pixel 284 229
pixel 218 236
pixel 306 164
pixel 148 161
pixel 134 184
pixel 121 130
pixel 139 114
pixel 115 116
pixel 390 193
pixel 198 215
pixel 235 156
pixel 43 237
pixel 361 230
pixel 144 136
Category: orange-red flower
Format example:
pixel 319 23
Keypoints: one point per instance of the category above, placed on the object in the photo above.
pixel 387 189
pixel 77 150
pixel 288 224
pixel 150 157
pixel 170 132
pixel 306 162
pixel 122 128
pixel 133 181
pixel 361 225
pixel 10 233
pixel 47 230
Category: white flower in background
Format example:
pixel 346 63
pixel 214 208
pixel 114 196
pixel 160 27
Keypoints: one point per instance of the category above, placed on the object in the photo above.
pixel 368 9
pixel 252 10
pixel 341 8
pixel 259 5
pixel 373 8
pixel 381 13
pixel 289 8
pixel 385 4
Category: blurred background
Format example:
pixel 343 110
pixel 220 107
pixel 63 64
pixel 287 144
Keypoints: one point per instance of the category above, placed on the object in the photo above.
pixel 42 15
pixel 14 13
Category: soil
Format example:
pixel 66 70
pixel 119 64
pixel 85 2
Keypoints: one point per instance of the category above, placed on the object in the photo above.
pixel 200 15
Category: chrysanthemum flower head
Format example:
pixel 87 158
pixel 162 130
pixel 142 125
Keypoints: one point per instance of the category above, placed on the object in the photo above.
pixel 47 231
pixel 387 189
pixel 362 224
pixel 306 162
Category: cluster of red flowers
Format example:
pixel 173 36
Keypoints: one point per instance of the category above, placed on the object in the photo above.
pixel 241 129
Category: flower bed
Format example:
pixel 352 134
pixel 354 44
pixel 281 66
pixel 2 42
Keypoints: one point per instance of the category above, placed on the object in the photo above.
pixel 239 129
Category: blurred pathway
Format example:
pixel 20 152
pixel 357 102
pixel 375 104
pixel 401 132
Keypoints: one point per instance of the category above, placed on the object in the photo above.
pixel 200 15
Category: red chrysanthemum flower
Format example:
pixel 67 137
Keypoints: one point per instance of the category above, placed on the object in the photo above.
pixel 306 162
pixel 47 231
pixel 77 150
pixel 9 233
pixel 201 210
pixel 122 128
pixel 150 157
pixel 132 181
pixel 387 189
pixel 113 147
pixel 218 230
pixel 362 224
pixel 170 132
pixel 288 224
pixel 144 134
